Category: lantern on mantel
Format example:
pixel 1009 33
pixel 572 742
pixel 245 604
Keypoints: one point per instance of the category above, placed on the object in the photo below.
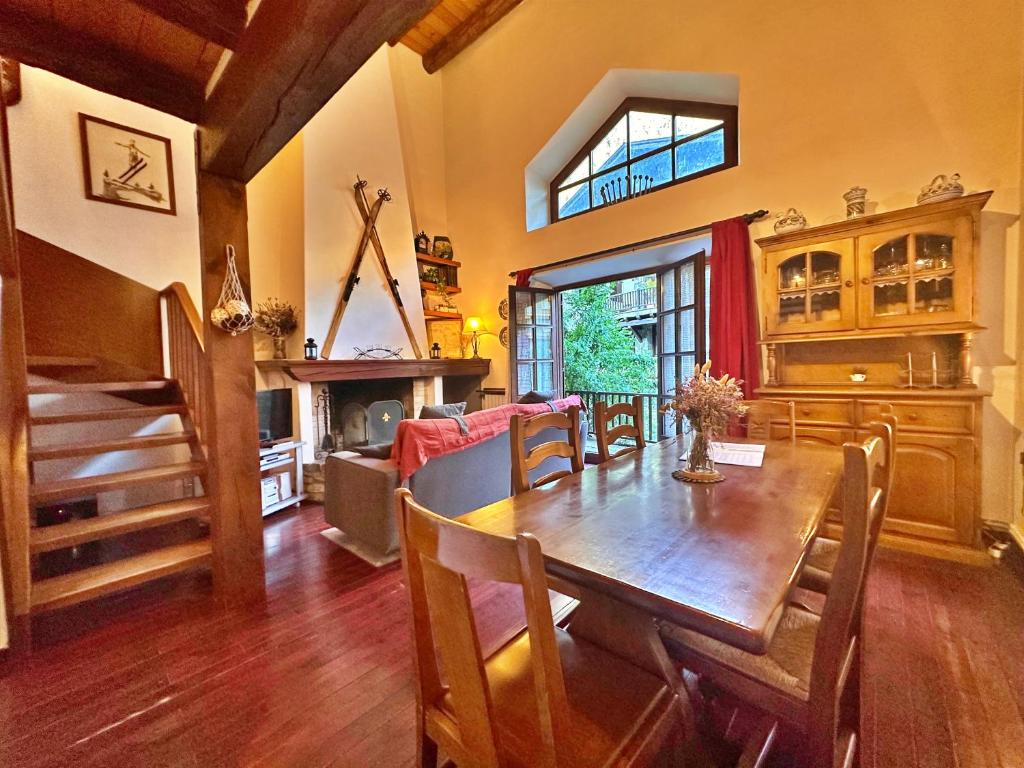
pixel 309 349
pixel 435 351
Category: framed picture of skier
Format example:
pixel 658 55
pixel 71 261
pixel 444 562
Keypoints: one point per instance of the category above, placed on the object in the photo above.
pixel 126 166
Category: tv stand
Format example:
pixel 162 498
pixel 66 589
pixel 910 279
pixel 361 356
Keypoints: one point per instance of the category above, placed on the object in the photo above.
pixel 279 459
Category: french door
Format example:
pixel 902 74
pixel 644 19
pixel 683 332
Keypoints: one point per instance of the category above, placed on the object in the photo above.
pixel 683 337
pixel 535 341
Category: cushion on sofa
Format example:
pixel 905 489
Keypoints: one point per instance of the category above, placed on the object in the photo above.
pixel 534 396
pixel 446 411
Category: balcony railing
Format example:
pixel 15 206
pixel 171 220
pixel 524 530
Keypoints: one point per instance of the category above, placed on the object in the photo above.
pixel 637 301
pixel 652 418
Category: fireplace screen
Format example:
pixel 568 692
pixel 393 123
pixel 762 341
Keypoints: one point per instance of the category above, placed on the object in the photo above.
pixel 382 419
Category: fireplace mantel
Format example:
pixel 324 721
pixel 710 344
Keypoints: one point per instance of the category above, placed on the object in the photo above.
pixel 349 370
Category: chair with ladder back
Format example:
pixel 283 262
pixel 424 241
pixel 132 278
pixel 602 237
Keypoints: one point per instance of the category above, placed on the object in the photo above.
pixel 809 679
pixel 607 435
pixel 545 697
pixel 525 459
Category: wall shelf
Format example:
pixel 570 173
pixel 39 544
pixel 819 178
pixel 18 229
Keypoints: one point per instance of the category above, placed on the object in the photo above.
pixel 426 258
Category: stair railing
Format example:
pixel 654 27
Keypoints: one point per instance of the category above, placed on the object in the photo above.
pixel 185 356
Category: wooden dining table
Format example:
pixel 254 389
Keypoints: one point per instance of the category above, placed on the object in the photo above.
pixel 720 558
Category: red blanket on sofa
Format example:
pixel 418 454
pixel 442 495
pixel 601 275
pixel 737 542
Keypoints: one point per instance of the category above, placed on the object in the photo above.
pixel 419 440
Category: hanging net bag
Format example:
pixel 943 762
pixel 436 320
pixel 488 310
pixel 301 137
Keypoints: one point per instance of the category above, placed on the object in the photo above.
pixel 232 313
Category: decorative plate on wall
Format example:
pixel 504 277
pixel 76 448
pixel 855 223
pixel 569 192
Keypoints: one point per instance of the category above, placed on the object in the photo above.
pixel 503 336
pixel 503 309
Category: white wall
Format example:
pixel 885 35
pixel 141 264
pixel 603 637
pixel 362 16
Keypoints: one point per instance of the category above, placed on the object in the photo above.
pixel 356 133
pixel 49 190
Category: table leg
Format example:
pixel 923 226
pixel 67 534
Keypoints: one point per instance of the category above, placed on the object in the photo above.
pixel 633 634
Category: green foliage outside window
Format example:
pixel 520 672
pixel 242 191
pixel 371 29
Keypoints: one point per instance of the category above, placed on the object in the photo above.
pixel 600 353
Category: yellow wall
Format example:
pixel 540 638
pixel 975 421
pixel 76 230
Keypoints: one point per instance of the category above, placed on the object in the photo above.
pixel 880 94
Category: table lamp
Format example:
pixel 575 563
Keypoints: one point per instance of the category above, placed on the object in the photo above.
pixel 475 328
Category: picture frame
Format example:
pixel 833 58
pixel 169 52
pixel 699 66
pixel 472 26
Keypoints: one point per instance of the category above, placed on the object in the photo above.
pixel 126 166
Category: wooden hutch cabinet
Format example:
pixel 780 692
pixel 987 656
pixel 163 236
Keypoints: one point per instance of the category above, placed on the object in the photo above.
pixel 849 310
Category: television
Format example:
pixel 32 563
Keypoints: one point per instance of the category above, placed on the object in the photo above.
pixel 274 407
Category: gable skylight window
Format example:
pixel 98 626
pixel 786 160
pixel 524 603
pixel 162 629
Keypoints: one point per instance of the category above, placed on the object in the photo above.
pixel 645 145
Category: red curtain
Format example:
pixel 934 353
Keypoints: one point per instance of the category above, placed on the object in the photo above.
pixel 733 320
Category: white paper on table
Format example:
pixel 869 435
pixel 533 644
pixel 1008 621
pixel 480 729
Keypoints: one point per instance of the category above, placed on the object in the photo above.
pixel 739 454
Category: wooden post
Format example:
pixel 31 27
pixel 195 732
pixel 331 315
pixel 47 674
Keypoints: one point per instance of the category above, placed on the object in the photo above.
pixel 14 477
pixel 232 435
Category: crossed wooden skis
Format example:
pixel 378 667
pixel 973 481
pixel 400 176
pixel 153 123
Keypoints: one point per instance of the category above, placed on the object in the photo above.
pixel 369 214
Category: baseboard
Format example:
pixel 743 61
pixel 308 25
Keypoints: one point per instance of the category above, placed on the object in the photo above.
pixel 954 552
pixel 957 553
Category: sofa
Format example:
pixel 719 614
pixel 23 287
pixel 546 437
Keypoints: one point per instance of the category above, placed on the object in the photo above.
pixel 359 493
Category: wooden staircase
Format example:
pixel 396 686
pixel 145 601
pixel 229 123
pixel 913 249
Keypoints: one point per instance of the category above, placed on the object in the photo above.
pixel 145 400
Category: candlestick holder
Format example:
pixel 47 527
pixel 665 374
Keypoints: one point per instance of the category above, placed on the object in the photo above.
pixel 930 376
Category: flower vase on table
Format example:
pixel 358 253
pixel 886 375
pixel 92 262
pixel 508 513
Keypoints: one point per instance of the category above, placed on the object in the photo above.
pixel 708 405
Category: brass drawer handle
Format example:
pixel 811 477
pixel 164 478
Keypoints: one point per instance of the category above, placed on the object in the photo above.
pixel 805 411
pixel 912 417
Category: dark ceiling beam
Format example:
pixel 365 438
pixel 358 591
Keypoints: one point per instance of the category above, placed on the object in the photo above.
pixel 97 64
pixel 219 21
pixel 464 35
pixel 293 57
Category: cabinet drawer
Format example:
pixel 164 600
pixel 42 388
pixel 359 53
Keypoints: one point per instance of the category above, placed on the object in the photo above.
pixel 929 417
pixel 824 412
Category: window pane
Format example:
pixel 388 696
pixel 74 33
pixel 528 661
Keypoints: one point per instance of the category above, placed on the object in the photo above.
pixel 524 308
pixel 611 149
pixel 687 331
pixel 610 187
pixel 524 343
pixel 699 154
pixel 542 305
pixel 651 171
pixel 686 365
pixel 524 378
pixel 686 286
pixel 668 332
pixel 668 289
pixel 580 172
pixel 687 126
pixel 707 312
pixel 668 375
pixel 573 200
pixel 544 343
pixel 545 377
pixel 648 131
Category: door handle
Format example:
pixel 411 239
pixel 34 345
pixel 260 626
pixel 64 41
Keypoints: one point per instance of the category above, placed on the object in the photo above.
pixel 848 283
pixel 865 281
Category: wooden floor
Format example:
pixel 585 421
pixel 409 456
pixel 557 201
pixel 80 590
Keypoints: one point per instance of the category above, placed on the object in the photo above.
pixel 321 674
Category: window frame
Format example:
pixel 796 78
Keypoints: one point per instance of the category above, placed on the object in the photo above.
pixel 727 113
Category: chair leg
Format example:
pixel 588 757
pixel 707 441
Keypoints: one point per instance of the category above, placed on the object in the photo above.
pixel 426 749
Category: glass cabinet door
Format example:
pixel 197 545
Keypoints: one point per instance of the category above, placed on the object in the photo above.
pixel 914 276
pixel 810 289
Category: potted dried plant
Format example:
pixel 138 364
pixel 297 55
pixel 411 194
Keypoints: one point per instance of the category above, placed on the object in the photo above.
pixel 278 320
pixel 708 405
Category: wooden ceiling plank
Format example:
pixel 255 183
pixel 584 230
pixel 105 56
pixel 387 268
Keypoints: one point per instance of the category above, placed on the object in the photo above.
pixel 417 41
pixel 96 63
pixel 293 57
pixel 398 38
pixel 460 38
pixel 218 21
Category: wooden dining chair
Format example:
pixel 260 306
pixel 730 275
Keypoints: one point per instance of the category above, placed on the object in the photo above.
pixel 545 697
pixel 525 459
pixel 809 680
pixel 760 415
pixel 821 561
pixel 607 435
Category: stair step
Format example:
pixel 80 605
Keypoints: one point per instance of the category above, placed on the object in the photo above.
pixel 86 584
pixel 45 453
pixel 87 486
pixel 91 529
pixel 59 388
pixel 55 361
pixel 141 412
